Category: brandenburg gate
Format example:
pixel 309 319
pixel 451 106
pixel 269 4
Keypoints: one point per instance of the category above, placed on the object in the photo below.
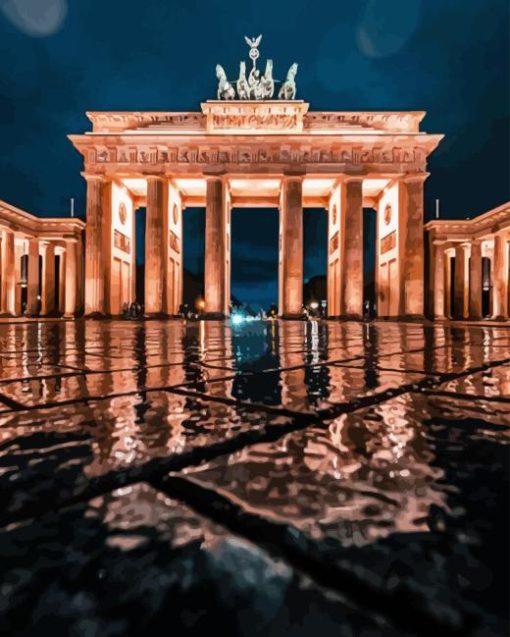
pixel 247 149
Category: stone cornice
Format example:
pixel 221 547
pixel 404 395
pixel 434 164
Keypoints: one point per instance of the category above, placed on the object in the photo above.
pixel 23 222
pixel 489 222
pixel 260 116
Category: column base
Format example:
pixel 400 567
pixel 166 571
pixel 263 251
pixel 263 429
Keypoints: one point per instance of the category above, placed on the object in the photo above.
pixel 293 317
pixel 351 317
pixel 154 316
pixel 97 316
pixel 500 317
pixel 213 316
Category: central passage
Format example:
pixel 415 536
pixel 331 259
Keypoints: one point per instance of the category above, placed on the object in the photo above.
pixel 254 279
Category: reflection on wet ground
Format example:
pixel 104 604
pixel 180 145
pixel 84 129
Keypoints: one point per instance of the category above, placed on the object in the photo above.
pixel 287 478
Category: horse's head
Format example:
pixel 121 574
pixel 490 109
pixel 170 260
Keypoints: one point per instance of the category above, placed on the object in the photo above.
pixel 292 71
pixel 220 73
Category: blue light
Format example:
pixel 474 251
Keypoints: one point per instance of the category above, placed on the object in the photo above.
pixel 237 319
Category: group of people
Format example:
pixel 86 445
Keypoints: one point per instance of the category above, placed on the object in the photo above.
pixel 132 310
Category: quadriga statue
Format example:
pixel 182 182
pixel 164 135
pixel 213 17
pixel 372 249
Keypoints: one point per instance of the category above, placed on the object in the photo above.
pixel 288 89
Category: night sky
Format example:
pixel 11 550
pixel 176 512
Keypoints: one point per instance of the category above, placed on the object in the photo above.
pixel 61 58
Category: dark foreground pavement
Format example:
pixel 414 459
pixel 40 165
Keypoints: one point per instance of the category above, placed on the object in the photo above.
pixel 264 479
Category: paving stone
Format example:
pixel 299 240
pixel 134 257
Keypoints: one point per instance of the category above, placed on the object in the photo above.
pixel 407 490
pixel 136 560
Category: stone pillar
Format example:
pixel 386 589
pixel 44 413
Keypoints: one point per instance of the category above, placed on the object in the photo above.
pixel 351 251
pixel 70 277
pixel 62 280
pixel 19 252
pixel 33 278
pixel 500 277
pixel 461 282
pixel 448 283
pixel 79 274
pixel 438 286
pixel 475 280
pixel 216 301
pixel 411 245
pixel 94 246
pixel 155 237
pixel 48 286
pixel 291 258
pixel 8 293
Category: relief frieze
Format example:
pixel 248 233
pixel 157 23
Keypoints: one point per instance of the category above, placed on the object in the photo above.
pixel 189 154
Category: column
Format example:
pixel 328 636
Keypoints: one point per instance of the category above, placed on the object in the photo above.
pixel 447 264
pixel 500 277
pixel 8 264
pixel 62 281
pixel 411 252
pixel 70 278
pixel 291 248
pixel 351 251
pixel 79 274
pixel 155 242
pixel 475 280
pixel 33 278
pixel 216 301
pixel 94 246
pixel 461 282
pixel 2 274
pixel 48 287
pixel 438 278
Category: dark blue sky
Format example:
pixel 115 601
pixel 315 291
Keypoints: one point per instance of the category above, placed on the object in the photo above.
pixel 61 58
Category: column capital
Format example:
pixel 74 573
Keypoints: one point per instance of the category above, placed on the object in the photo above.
pixel 412 177
pixel 212 175
pixel 92 177
pixel 293 175
pixel 349 179
pixel 162 178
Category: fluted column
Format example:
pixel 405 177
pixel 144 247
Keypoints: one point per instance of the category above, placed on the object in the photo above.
pixel 216 301
pixel 351 251
pixel 8 264
pixel 3 287
pixel 94 246
pixel 155 261
pixel 475 280
pixel 411 245
pixel 48 286
pixel 33 277
pixel 70 277
pixel 461 282
pixel 438 290
pixel 500 277
pixel 447 263
pixel 291 248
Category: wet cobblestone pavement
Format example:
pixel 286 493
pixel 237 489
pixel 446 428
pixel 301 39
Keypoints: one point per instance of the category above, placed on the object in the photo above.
pixel 268 478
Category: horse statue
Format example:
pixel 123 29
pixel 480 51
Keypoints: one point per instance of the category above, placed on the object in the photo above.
pixel 243 88
pixel 254 84
pixel 225 89
pixel 267 82
pixel 288 89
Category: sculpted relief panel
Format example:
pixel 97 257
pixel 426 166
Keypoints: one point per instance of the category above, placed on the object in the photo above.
pixel 413 157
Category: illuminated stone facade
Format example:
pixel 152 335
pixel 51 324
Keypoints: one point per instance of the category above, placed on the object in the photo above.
pixel 469 266
pixel 255 154
pixel 41 264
